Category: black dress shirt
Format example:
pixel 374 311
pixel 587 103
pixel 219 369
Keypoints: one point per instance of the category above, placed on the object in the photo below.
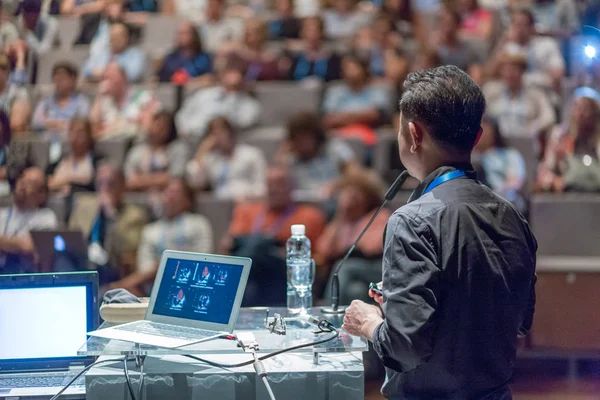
pixel 458 288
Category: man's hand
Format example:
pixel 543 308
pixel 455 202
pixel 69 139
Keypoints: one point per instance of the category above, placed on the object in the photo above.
pixel 361 319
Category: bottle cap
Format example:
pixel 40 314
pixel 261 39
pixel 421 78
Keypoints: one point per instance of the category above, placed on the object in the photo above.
pixel 298 229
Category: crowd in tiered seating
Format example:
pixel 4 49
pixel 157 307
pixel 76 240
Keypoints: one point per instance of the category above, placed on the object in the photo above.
pixel 214 125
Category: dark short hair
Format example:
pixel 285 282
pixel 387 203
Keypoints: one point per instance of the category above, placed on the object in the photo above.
pixel 526 12
pixel 357 60
pixel 65 66
pixel 87 127
pixel 303 123
pixel 222 120
pixel 448 102
pixel 188 192
pixel 171 122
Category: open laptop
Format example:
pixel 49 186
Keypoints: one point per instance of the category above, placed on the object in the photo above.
pixel 195 297
pixel 60 251
pixel 44 319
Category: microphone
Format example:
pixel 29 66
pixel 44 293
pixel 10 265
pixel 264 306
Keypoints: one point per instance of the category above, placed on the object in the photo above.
pixel 335 282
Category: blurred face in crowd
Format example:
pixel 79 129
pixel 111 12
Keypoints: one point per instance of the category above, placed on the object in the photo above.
pixel 585 115
pixel 185 35
pixel 522 27
pixel 114 81
pixel 110 183
pixel 80 138
pixel 312 32
pixel 175 200
pixel 114 10
pixel 354 73
pixel 343 6
pixel 467 5
pixel 256 34
pixel 119 38
pixel 224 137
pixel 158 134
pixel 512 74
pixel 232 80
pixel 305 145
pixel 30 190
pixel 284 8
pixel 214 9
pixel 382 28
pixel 352 203
pixel 64 83
pixel 278 188
pixel 448 24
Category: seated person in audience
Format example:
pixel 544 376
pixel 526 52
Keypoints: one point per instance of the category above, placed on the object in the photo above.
pixel 521 111
pixel 401 12
pixel 96 18
pixel 229 100
pixel 344 19
pixel 81 7
pixel 131 59
pixel 232 170
pixel 571 160
pixel 260 230
pixel 27 213
pixel 359 195
pixel 284 25
pixel 184 9
pixel 113 228
pixel 177 229
pixel 315 162
pixel 189 56
pixel 9 34
pixel 142 6
pixel 76 169
pixel 546 65
pixel 15 156
pixel 40 31
pixel 451 49
pixel 14 99
pixel 313 59
pixel 378 45
pixel 151 165
pixel 120 110
pixel 477 23
pixel 251 55
pixel 558 18
pixel 355 106
pixel 53 113
pixel 503 166
pixel 216 28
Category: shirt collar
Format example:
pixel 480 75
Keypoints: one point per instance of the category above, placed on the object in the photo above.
pixel 420 190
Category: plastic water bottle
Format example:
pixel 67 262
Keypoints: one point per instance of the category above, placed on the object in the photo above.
pixel 300 271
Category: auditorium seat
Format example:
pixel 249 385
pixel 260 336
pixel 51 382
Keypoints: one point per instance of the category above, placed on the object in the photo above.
pixel 219 213
pixel 281 100
pixel 68 29
pixel 76 55
pixel 382 154
pixel 114 150
pixel 40 152
pixel 58 204
pixel 159 35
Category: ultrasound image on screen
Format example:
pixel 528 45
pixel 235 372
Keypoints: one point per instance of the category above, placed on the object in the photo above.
pixel 198 290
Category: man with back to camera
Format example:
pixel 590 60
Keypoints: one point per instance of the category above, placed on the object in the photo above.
pixel 458 263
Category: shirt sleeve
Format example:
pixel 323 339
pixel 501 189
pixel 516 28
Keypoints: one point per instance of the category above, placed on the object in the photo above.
pixel 134 65
pixel 132 163
pixel 44 222
pixel 404 340
pixel 39 116
pixel 47 41
pixel 146 259
pixel 248 113
pixel 332 100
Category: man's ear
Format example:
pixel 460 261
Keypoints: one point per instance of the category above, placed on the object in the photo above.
pixel 478 137
pixel 415 132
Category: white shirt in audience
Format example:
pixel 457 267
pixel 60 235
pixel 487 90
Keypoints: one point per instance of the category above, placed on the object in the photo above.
pixel 242 176
pixel 81 171
pixel 338 26
pixel 16 223
pixel 142 160
pixel 216 34
pixel 188 232
pixel 123 121
pixel 543 56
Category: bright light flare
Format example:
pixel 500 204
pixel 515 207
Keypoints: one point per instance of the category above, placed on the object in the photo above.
pixel 590 51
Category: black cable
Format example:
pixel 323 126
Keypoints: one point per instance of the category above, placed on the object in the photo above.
pixel 266 356
pixel 83 371
pixel 127 379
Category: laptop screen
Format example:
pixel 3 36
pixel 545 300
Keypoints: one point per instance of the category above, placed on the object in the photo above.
pixel 43 322
pixel 198 290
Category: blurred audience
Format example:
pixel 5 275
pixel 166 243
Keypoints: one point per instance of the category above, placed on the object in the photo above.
pixel 378 45
pixel 251 55
pixel 96 18
pixel 185 9
pixel 359 195
pixel 503 166
pixel 232 170
pixel 284 24
pixel 344 19
pixel 259 231
pixel 216 28
pixel 559 18
pixel 312 58
pixel 177 229
pixel 401 12
pixel 356 105
pixel 15 156
pixel 477 23
pixel 14 99
pixel 151 165
pixel 315 161
pixel 26 213
pixel 112 227
pixel 130 58
pixel 121 110
pixel 53 113
pixel 229 100
pixel 9 33
pixel 39 30
pixel 76 170
pixel 188 56
pixel 521 110
pixel 571 161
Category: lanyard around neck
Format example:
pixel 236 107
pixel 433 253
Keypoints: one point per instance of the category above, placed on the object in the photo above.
pixel 448 176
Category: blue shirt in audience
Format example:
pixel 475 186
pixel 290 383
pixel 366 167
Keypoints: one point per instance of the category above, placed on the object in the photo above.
pixel 49 109
pixel 142 5
pixel 197 66
pixel 341 98
pixel 326 68
pixel 132 60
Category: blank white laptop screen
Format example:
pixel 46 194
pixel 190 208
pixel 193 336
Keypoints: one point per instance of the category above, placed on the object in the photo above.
pixel 48 322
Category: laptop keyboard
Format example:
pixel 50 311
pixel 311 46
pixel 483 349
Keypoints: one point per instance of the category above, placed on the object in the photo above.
pixel 59 380
pixel 168 331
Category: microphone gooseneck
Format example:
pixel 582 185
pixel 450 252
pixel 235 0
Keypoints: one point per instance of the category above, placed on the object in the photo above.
pixel 335 283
